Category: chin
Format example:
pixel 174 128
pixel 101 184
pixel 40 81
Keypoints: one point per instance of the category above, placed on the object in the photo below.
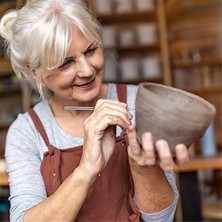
pixel 90 96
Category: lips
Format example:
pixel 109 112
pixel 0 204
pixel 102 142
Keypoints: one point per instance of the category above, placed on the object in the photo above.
pixel 86 85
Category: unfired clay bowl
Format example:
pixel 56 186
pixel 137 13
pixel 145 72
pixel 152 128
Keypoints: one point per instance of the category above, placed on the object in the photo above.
pixel 171 114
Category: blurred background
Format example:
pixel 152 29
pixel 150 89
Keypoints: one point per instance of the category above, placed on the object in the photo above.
pixel 173 42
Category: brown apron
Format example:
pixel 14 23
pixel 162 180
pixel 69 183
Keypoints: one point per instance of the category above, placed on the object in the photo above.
pixel 110 197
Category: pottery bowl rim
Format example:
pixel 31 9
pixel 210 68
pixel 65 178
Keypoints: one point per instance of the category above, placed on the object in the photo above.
pixel 204 102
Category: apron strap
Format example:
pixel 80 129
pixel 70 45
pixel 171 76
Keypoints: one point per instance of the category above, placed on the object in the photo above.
pixel 39 126
pixel 122 92
pixel 122 96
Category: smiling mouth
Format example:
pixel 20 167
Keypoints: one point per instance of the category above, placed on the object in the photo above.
pixel 86 85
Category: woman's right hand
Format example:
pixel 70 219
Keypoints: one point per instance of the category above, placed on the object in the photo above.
pixel 100 134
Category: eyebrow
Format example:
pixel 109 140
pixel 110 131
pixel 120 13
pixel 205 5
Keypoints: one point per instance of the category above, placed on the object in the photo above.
pixel 74 57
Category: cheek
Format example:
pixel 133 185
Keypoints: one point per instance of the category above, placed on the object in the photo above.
pixel 55 82
pixel 98 62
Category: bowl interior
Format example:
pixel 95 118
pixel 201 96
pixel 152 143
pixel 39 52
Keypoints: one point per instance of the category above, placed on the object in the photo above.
pixel 178 97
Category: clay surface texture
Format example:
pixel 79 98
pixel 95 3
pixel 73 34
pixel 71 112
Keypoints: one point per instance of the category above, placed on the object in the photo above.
pixel 171 114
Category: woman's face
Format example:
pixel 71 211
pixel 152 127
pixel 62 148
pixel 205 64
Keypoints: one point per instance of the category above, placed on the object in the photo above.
pixel 79 79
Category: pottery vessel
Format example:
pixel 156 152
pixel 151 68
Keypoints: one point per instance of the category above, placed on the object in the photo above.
pixel 171 114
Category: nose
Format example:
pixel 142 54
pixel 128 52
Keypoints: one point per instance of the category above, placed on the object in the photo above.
pixel 84 67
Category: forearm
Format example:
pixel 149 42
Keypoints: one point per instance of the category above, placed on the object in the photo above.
pixel 65 203
pixel 153 192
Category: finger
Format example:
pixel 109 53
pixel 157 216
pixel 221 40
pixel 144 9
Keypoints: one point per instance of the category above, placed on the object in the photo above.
pixel 99 125
pixel 133 148
pixel 165 157
pixel 102 101
pixel 115 109
pixel 182 155
pixel 116 104
pixel 148 148
pixel 108 116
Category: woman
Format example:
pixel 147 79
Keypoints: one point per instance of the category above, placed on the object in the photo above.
pixel 79 165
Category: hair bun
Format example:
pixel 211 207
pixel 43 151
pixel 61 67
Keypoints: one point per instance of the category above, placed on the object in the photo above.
pixel 6 23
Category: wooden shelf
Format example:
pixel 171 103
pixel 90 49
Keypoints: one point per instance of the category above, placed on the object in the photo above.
pixel 3 174
pixel 10 91
pixel 219 137
pixel 137 48
pixel 4 125
pixel 204 62
pixel 132 17
pixel 212 210
pixel 6 5
pixel 206 90
pixel 4 179
pixel 5 67
pixel 201 163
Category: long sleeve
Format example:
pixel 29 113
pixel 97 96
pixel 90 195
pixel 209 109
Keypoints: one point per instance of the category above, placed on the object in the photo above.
pixel 23 165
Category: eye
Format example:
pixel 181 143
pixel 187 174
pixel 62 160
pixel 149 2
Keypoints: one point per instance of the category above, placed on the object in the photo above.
pixel 91 51
pixel 67 63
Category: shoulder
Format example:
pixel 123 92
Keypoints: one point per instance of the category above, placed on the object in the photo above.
pixel 21 136
pixel 131 92
pixel 132 89
pixel 22 132
pixel 42 108
pixel 131 95
pixel 44 112
pixel 24 122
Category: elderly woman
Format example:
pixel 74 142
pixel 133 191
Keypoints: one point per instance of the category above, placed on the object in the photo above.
pixel 79 165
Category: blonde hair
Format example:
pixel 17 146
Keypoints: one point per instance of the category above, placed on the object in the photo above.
pixel 38 36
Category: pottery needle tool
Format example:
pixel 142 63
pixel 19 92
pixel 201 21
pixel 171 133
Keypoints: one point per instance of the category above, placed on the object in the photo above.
pixel 84 108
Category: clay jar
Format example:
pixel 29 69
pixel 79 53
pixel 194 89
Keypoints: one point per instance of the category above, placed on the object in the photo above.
pixel 171 114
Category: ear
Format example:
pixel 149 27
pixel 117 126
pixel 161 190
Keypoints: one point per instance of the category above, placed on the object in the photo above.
pixel 35 76
pixel 32 71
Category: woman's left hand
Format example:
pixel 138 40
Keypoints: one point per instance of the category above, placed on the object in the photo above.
pixel 150 154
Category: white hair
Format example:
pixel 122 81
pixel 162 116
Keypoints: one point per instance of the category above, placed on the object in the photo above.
pixel 39 35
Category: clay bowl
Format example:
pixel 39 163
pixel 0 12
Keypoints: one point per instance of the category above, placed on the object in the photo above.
pixel 171 114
